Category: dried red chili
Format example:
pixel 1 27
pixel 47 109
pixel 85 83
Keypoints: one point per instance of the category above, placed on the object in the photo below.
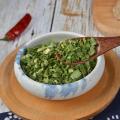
pixel 18 28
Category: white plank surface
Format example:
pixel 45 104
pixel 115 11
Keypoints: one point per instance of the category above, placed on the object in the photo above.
pixel 12 11
pixel 44 21
pixel 81 24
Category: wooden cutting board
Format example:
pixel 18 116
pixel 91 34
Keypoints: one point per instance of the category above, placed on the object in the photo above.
pixel 104 19
pixel 30 107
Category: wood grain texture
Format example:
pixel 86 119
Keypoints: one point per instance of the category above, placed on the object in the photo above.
pixel 104 18
pixel 106 23
pixel 116 10
pixel 21 102
pixel 42 13
pixel 68 11
pixel 12 11
pixel 81 24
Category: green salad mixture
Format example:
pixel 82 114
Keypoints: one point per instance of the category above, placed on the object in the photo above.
pixel 40 63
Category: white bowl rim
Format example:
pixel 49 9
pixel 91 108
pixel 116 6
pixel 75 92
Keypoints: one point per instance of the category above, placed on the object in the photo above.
pixel 55 33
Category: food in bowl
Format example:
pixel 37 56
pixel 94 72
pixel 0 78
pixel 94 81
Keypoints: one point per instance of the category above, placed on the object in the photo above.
pixel 40 62
pixel 56 91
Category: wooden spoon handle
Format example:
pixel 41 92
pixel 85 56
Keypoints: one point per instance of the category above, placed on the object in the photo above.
pixel 107 43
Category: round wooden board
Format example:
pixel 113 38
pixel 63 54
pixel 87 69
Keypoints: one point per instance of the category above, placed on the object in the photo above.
pixel 104 19
pixel 34 108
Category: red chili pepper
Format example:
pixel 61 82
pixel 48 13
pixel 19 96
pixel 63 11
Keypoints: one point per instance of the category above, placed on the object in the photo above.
pixel 18 28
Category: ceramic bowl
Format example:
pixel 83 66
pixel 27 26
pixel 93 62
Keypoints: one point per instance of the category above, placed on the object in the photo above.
pixel 57 92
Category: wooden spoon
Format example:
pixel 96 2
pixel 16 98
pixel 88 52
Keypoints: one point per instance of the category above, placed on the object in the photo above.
pixel 104 44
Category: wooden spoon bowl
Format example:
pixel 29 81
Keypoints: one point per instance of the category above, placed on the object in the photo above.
pixel 104 44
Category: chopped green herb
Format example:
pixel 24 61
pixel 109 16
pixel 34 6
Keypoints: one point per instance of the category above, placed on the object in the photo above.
pixel 40 64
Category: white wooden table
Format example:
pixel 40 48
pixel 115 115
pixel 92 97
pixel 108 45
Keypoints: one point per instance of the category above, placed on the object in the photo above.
pixel 47 16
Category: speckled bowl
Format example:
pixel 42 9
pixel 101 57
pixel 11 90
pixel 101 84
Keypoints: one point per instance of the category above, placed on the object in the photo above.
pixel 57 92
